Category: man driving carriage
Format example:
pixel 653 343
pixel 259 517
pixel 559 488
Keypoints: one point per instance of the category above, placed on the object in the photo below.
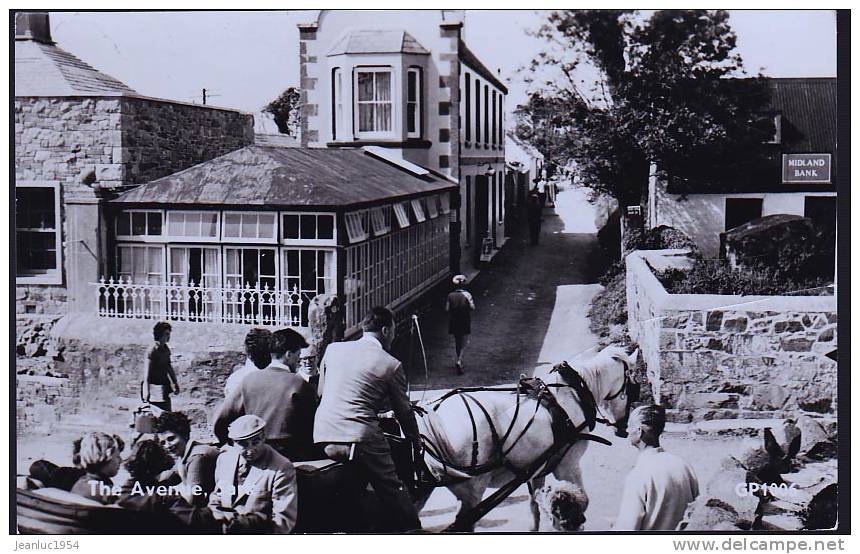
pixel 358 380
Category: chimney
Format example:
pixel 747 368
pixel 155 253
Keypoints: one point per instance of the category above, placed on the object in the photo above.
pixel 33 26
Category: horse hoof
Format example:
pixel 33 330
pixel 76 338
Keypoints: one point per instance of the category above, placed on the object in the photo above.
pixel 621 433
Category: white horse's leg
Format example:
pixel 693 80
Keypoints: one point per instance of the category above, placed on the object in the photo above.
pixel 470 493
pixel 534 485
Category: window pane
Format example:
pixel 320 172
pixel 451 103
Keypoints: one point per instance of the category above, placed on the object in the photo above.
pixel 292 262
pixel 291 226
pixel 138 223
pixel 36 251
pixel 309 274
pixel 123 224
pixel 231 225
pixel 411 121
pixel 138 263
pixel 383 86
pixel 175 224
pixel 153 260
pixel 192 224
pixel 365 86
pixel 249 226
pixel 325 227
pixel 412 87
pixel 153 223
pixel 267 226
pixel 210 225
pixel 308 226
pixel 267 263
pixel 383 117
pixel 231 264
pixel 365 117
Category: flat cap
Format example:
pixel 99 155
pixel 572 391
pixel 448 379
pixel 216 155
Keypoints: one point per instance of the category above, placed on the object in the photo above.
pixel 246 427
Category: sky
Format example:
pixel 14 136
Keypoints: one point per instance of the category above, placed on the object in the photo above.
pixel 245 59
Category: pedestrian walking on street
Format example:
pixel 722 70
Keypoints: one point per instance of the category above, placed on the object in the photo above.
pixel 459 306
pixel 159 379
pixel 661 485
pixel 535 211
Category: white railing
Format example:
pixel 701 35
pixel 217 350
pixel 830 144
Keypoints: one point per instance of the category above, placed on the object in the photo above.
pixel 238 304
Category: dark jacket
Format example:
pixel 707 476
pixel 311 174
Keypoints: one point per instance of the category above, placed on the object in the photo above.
pixel 285 401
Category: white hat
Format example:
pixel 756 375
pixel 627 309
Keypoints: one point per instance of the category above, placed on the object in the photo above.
pixel 246 427
pixel 459 279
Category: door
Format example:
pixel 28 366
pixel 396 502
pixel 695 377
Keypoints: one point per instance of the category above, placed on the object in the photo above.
pixel 742 210
pixel 250 276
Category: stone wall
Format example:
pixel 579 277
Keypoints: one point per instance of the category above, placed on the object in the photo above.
pixel 712 356
pixel 100 363
pixel 160 138
pixel 108 141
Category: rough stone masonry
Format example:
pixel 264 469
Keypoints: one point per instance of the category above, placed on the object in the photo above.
pixel 712 356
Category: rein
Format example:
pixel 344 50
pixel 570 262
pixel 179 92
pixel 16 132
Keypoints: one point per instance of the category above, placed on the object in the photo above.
pixel 565 432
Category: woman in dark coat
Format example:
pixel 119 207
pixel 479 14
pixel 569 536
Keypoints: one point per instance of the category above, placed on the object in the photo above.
pixel 459 307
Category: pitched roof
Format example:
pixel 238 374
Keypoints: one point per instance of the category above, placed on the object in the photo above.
pixel 808 108
pixel 43 69
pixel 377 41
pixel 275 176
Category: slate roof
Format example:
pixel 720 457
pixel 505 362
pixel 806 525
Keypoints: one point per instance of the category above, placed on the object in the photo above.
pixel 808 108
pixel 43 69
pixel 377 41
pixel 274 176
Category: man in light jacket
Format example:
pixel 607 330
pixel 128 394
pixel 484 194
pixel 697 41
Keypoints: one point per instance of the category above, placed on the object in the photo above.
pixel 255 487
pixel 358 380
pixel 661 485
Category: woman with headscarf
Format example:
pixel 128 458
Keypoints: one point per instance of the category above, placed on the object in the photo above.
pixel 459 306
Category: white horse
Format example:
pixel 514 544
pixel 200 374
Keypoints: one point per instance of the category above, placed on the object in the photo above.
pixel 479 439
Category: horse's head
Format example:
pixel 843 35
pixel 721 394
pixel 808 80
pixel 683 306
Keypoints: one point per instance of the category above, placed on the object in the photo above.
pixel 619 388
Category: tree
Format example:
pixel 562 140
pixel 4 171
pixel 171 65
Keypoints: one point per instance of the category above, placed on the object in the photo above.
pixel 617 91
pixel 286 110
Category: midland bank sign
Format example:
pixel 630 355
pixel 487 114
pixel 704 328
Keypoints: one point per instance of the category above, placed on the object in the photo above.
pixel 806 168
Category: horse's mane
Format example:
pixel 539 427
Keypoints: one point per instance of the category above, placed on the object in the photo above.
pixel 601 364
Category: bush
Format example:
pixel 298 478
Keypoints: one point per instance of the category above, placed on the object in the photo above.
pixel 658 238
pixel 800 265
pixel 716 277
pixel 610 306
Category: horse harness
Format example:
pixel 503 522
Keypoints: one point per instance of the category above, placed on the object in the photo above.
pixel 565 432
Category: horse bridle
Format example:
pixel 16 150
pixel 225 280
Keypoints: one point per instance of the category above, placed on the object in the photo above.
pixel 628 387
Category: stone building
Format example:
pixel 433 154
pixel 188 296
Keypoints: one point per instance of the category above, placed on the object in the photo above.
pixel 407 82
pixel 804 112
pixel 80 136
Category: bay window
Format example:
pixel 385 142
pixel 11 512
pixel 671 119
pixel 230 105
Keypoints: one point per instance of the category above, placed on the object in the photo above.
pixel 374 103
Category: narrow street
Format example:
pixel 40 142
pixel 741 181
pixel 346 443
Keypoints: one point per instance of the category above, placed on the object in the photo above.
pixel 532 305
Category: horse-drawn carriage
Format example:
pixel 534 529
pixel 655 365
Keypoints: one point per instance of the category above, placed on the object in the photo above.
pixel 474 438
